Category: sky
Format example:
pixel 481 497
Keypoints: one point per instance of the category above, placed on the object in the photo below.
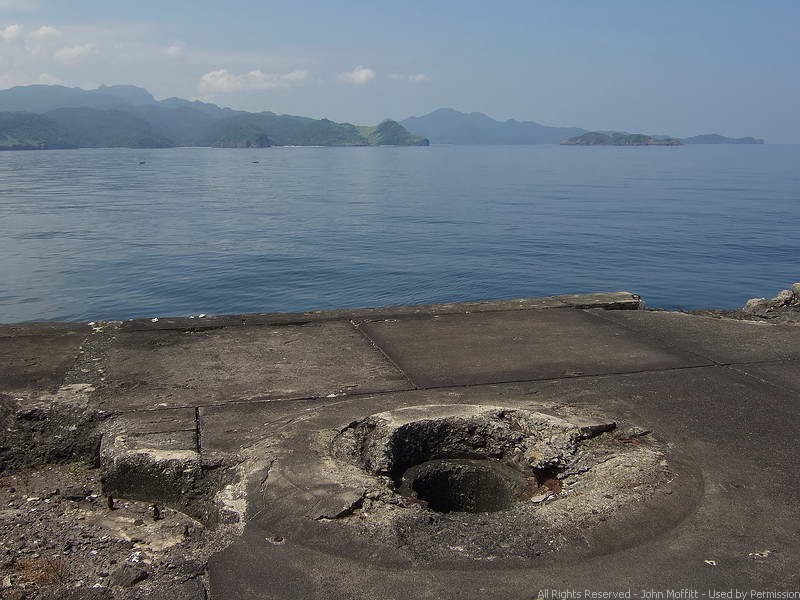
pixel 677 68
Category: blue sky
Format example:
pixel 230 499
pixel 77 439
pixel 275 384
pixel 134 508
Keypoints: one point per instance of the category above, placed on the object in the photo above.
pixel 678 67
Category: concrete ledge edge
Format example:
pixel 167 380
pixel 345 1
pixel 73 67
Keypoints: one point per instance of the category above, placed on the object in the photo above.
pixel 609 301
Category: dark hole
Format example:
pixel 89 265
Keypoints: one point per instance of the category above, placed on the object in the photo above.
pixel 451 485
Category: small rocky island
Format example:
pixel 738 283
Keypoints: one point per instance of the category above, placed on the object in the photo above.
pixel 616 138
pixel 715 138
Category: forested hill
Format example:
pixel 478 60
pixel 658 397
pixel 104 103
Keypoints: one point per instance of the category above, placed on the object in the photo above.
pixel 45 116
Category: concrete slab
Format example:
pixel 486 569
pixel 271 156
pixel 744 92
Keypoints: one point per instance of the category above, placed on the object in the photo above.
pixel 735 433
pixel 168 441
pixel 21 329
pixel 721 340
pixel 157 421
pixel 230 427
pixel 36 362
pixel 213 387
pixel 488 348
pixel 784 375
pixel 725 419
pixel 174 368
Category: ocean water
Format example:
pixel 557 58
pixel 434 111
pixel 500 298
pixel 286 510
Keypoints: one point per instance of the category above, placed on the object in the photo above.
pixel 94 234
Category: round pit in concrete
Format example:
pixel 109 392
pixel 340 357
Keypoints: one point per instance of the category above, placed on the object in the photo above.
pixel 448 483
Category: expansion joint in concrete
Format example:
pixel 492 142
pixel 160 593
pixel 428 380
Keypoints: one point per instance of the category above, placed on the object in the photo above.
pixel 387 358
pixel 763 380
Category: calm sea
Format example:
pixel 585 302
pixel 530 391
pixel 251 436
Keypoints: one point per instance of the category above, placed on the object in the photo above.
pixel 94 234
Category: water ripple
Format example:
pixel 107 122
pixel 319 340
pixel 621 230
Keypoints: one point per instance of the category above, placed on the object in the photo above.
pixel 92 234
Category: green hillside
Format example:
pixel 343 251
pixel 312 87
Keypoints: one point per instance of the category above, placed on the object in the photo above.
pixel 391 133
pixel 77 128
pixel 282 130
pixel 127 116
pixel 184 125
pixel 92 128
pixel 285 130
pixel 27 131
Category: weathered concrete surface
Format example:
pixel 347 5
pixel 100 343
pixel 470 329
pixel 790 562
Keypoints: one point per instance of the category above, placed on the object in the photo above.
pixel 609 300
pixel 784 374
pixel 330 487
pixel 722 396
pixel 157 421
pixel 737 437
pixel 178 368
pixel 720 340
pixel 37 356
pixel 489 348
pixel 617 299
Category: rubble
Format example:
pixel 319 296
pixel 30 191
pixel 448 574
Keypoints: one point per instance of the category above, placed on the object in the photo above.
pixel 49 428
pixel 58 544
pixel 89 509
pixel 785 306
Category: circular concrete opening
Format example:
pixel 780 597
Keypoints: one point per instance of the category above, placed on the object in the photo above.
pixel 453 485
pixel 453 482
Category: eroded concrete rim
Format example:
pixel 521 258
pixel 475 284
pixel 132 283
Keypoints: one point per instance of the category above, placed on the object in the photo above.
pixel 298 501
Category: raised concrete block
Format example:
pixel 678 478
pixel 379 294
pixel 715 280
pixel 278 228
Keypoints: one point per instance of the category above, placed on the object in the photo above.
pixel 163 467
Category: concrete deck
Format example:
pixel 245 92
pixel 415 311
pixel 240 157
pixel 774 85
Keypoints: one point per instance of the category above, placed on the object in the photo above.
pixel 724 394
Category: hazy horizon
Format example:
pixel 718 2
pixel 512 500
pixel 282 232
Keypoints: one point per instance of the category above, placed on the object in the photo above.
pixel 677 69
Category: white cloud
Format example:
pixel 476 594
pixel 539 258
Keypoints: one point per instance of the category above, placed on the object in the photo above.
pixel 70 55
pixel 11 33
pixel 45 32
pixel 41 42
pixel 175 50
pixel 48 79
pixel 413 78
pixel 11 79
pixel 223 81
pixel 358 76
pixel 296 76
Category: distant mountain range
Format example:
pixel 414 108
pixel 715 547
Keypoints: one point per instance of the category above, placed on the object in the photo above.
pixel 48 116
pixel 449 126
pixel 52 116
